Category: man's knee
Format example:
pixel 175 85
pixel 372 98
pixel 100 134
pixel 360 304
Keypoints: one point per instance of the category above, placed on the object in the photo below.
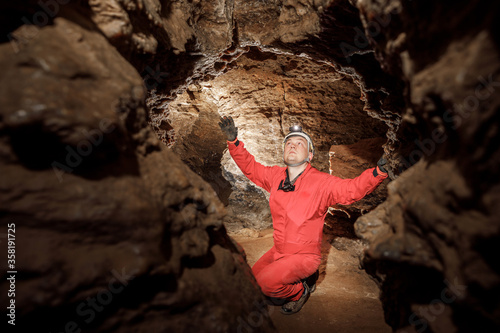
pixel 263 284
pixel 268 285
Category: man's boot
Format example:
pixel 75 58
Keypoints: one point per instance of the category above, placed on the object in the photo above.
pixel 295 306
pixel 311 281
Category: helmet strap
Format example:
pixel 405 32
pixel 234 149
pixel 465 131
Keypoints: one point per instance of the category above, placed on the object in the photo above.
pixel 297 164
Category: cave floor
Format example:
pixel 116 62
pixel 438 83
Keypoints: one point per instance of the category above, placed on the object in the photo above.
pixel 346 298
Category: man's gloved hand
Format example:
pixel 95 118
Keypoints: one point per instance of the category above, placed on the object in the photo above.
pixel 227 126
pixel 381 162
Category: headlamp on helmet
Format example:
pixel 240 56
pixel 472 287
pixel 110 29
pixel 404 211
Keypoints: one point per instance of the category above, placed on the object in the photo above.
pixel 296 130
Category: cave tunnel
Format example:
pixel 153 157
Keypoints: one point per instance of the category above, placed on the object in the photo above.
pixel 123 211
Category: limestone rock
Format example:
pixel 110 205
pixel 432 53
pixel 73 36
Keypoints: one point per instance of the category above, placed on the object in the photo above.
pixel 266 94
pixel 113 231
pixel 434 237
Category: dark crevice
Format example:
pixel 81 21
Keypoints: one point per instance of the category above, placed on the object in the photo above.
pixel 89 313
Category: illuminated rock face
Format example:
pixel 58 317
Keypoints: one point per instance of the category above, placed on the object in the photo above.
pixel 427 74
pixel 265 94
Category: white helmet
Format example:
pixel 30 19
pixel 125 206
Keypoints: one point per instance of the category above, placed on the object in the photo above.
pixel 296 130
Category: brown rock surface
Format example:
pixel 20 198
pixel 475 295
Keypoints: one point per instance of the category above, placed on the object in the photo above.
pixel 434 238
pixel 113 231
pixel 265 94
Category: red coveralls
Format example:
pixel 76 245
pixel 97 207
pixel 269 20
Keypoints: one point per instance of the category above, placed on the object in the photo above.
pixel 298 218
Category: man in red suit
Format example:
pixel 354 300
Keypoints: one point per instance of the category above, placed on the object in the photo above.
pixel 299 199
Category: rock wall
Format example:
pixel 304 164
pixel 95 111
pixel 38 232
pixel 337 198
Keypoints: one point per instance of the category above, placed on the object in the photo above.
pixel 432 243
pixel 266 93
pixel 113 232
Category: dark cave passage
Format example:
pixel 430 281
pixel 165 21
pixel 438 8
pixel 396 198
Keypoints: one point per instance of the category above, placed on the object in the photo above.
pixel 131 216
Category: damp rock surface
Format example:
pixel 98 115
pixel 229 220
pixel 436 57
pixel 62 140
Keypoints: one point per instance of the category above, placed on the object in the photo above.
pixel 113 231
pixel 266 94
pixel 433 237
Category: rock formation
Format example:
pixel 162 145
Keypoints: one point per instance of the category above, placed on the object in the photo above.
pixel 113 232
pixel 115 173
pixel 433 239
pixel 266 93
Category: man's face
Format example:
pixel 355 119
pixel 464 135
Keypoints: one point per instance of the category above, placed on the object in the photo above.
pixel 296 150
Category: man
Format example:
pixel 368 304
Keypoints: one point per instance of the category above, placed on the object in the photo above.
pixel 299 199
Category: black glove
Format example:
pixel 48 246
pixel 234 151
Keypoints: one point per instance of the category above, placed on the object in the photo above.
pixel 227 126
pixel 381 162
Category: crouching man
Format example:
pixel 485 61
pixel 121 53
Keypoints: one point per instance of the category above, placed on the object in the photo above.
pixel 299 199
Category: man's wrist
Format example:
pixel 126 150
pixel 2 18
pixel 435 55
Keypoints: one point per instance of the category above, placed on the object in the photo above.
pixel 234 142
pixel 378 172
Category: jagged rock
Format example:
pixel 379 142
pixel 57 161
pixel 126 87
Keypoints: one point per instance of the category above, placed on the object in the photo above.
pixel 433 239
pixel 113 231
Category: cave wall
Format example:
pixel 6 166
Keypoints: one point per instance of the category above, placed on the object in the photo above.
pixel 266 93
pixel 113 231
pixel 435 237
